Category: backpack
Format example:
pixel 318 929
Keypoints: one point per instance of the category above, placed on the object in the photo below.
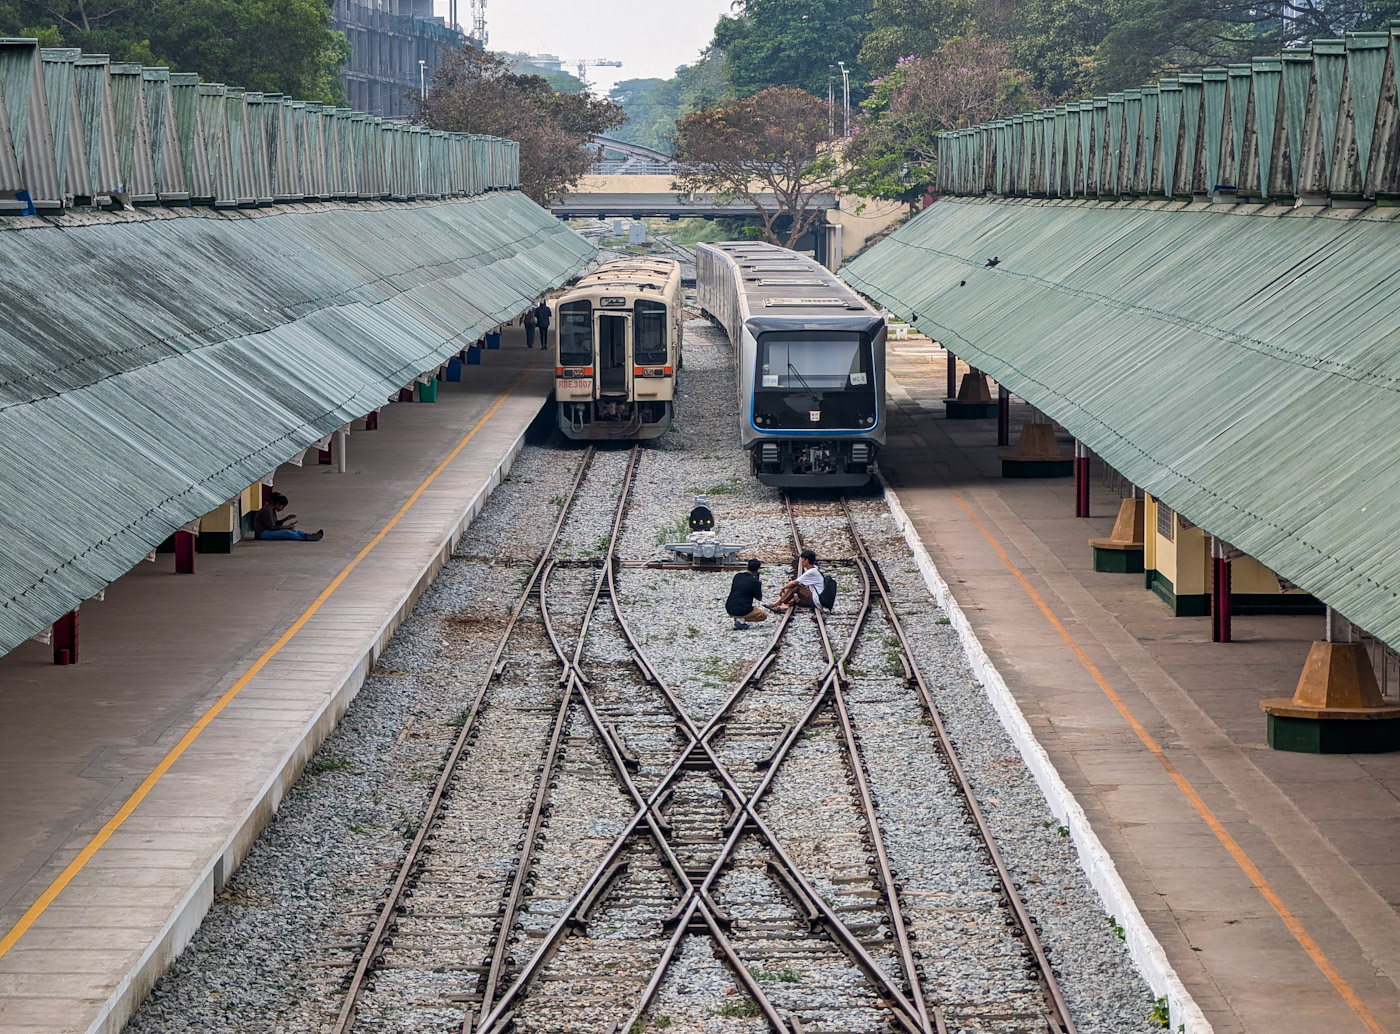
pixel 827 597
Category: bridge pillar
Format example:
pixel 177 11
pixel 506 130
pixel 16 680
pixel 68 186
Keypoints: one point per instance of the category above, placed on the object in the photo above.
pixel 1003 415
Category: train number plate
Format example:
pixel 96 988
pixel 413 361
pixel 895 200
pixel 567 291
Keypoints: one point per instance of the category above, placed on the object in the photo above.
pixel 576 384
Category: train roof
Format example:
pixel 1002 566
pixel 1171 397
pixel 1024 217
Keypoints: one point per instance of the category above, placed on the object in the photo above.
pixel 637 274
pixel 782 286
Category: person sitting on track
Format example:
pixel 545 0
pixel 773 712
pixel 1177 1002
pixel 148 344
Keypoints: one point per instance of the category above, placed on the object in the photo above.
pixel 744 593
pixel 803 590
pixel 267 525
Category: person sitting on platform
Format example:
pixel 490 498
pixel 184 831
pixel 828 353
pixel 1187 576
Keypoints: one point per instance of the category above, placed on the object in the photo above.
pixel 803 590
pixel 267 525
pixel 744 593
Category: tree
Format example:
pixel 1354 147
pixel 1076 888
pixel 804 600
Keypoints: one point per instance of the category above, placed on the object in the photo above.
pixel 793 43
pixel 476 92
pixel 654 105
pixel 774 142
pixel 275 46
pixel 966 82
pixel 1152 37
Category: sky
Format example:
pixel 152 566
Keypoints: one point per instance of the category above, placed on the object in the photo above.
pixel 650 37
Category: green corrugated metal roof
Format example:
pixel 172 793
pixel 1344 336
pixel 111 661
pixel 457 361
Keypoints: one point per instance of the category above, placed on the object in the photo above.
pixel 1242 366
pixel 153 366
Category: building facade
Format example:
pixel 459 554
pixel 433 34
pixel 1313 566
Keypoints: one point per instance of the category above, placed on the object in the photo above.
pixel 388 39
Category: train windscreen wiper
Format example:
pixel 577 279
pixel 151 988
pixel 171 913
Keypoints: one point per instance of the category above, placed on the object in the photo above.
pixel 803 381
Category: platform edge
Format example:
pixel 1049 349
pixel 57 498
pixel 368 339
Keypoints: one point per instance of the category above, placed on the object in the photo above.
pixel 1143 947
pixel 189 914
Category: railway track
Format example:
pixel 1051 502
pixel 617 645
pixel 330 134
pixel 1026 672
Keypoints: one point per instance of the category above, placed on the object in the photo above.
pixel 673 812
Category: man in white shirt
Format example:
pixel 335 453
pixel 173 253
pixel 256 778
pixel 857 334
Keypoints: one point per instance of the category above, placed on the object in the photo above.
pixel 803 590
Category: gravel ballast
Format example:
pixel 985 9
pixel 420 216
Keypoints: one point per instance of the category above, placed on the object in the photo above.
pixel 275 950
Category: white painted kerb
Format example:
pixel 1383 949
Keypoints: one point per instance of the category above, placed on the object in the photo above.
pixel 1143 946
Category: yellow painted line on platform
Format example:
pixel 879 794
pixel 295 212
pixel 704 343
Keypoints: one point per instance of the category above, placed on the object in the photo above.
pixel 1294 925
pixel 74 867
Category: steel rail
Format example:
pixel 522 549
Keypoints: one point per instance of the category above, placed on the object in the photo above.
pixel 496 1018
pixel 1060 1015
pixel 908 1015
pixel 570 680
pixel 375 942
pixel 867 801
pixel 696 900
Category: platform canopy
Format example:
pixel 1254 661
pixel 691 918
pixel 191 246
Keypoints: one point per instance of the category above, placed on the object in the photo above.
pixel 155 363
pixel 1241 363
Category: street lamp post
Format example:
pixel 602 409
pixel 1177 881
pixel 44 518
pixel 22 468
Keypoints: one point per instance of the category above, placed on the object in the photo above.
pixel 423 78
pixel 830 105
pixel 845 99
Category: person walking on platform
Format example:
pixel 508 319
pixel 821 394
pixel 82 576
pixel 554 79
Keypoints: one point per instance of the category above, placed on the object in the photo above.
pixel 267 525
pixel 744 593
pixel 543 317
pixel 803 590
pixel 530 321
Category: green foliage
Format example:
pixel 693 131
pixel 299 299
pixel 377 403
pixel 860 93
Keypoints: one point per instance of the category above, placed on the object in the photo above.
pixel 794 43
pixel 276 46
pixel 1146 38
pixel 328 763
pixel 476 92
pixel 654 105
pixel 740 1010
pixel 699 231
pixel 774 142
pixel 1161 1012
pixel 965 82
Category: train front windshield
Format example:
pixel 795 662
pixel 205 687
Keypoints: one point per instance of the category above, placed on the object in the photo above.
pixel 814 380
pixel 576 334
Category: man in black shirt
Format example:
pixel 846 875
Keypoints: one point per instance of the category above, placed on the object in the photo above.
pixel 744 593
pixel 543 317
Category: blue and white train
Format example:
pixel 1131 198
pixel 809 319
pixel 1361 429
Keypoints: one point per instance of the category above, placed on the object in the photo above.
pixel 810 357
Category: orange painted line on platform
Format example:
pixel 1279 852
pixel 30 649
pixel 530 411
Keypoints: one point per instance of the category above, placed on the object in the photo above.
pixel 76 866
pixel 1294 925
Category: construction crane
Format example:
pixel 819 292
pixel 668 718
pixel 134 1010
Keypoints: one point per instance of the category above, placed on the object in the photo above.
pixel 584 64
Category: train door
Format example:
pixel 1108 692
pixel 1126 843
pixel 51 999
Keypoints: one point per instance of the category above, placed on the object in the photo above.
pixel 612 354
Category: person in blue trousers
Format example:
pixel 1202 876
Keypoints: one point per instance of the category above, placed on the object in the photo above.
pixel 267 525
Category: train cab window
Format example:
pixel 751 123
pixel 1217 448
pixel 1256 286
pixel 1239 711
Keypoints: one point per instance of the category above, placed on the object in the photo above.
pixel 576 334
pixel 814 380
pixel 814 361
pixel 649 334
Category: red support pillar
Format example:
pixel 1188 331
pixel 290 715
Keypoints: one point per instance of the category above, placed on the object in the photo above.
pixel 372 420
pixel 267 491
pixel 1220 594
pixel 184 552
pixel 324 456
pixel 1081 480
pixel 952 374
pixel 1003 415
pixel 65 638
pixel 406 394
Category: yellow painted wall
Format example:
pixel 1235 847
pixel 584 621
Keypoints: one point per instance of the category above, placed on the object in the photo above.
pixel 251 499
pixel 1184 559
pixel 861 219
pixel 223 518
pixel 1192 576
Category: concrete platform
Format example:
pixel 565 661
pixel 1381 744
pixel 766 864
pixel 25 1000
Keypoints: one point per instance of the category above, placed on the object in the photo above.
pixel 1272 880
pixel 136 780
